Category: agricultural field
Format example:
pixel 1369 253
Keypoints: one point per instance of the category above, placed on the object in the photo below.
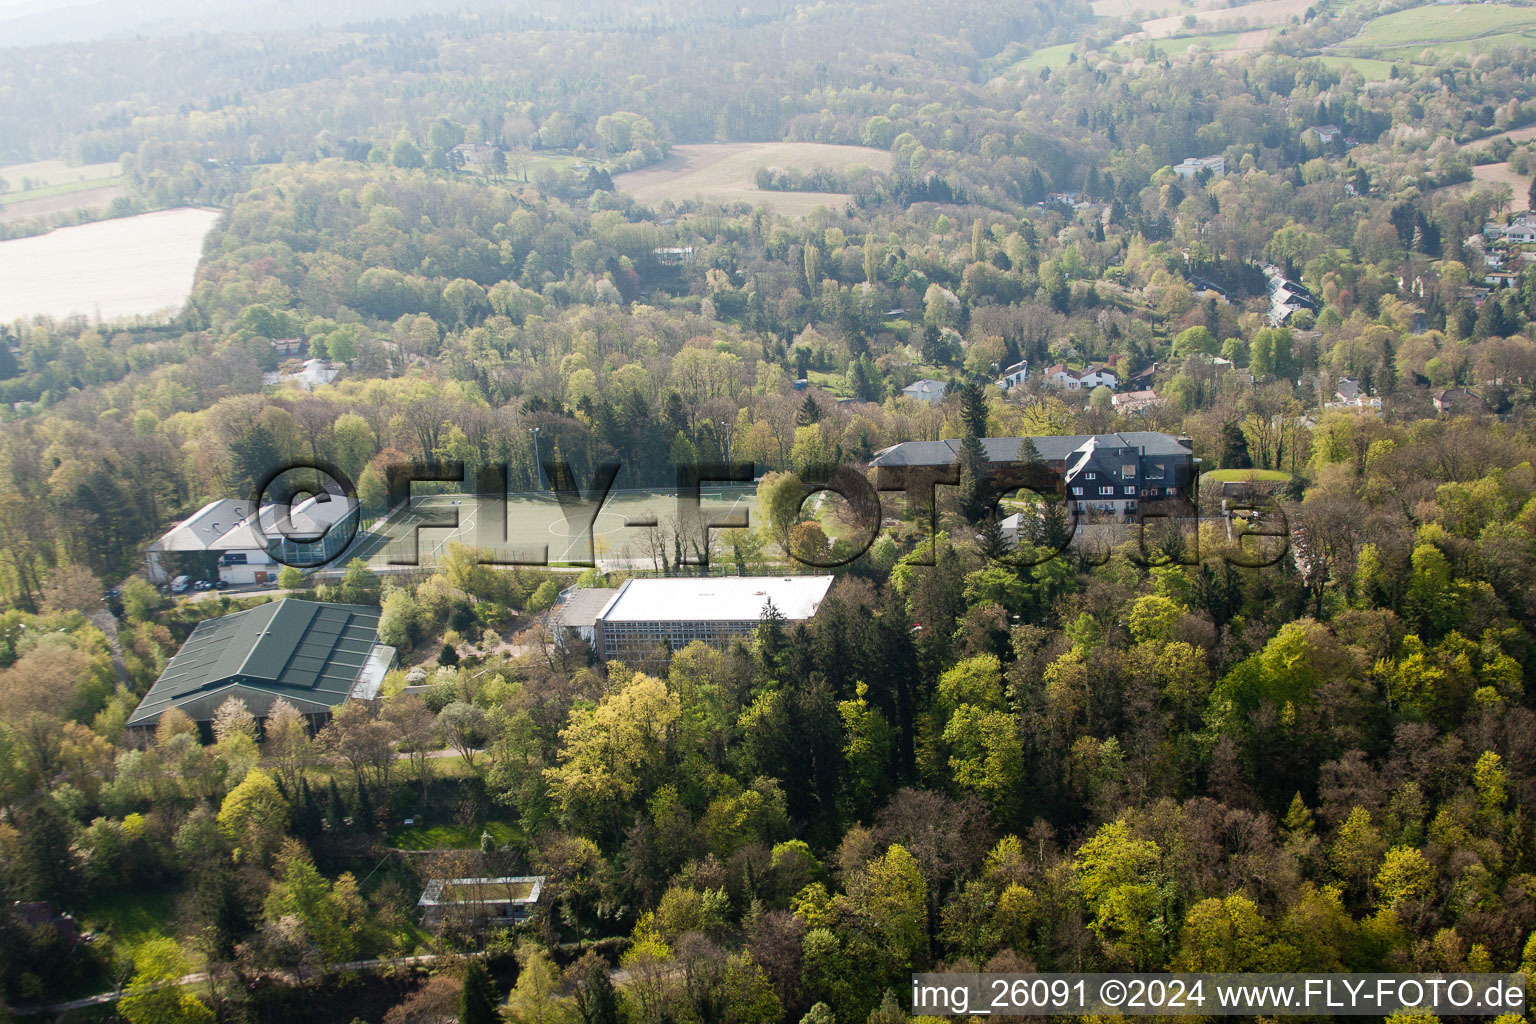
pixel 1444 31
pixel 724 173
pixel 1176 46
pixel 47 187
pixel 133 266
pixel 1261 14
pixel 1133 8
pixel 57 199
pixel 50 173
pixel 1501 173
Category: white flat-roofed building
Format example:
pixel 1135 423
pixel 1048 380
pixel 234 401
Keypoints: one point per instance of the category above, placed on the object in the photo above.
pixel 1193 165
pixel 648 613
pixel 508 899
pixel 224 526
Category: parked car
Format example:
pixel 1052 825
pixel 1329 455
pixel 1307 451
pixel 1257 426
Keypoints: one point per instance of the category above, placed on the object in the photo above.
pixel 180 583
pixel 202 585
pixel 221 584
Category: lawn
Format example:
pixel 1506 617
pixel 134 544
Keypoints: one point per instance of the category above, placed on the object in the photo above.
pixel 132 916
pixel 1371 70
pixel 1234 475
pixel 449 837
pixel 833 382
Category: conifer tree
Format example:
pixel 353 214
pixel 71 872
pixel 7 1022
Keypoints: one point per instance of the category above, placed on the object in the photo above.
pixel 477 999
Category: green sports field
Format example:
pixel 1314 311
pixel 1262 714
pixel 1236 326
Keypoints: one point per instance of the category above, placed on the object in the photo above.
pixel 533 528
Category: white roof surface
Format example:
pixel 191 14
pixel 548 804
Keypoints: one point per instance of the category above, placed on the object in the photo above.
pixel 716 598
pixel 225 525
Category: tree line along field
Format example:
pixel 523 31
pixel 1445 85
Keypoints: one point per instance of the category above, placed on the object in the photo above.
pixel 724 173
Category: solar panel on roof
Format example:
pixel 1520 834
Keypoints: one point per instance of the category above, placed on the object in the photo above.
pixel 300 647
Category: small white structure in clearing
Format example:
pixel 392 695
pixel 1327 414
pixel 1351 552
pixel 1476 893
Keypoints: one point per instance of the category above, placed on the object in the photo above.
pixel 506 899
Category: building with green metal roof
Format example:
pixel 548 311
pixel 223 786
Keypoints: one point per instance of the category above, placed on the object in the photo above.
pixel 313 655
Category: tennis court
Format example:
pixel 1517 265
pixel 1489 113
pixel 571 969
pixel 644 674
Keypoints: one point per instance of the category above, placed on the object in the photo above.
pixel 629 528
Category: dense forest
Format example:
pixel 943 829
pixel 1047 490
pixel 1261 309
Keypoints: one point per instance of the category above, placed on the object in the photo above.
pixel 1326 764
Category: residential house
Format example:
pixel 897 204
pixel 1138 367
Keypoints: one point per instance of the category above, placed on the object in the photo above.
pixel 1327 133
pixel 1065 378
pixel 289 348
pixel 1522 231
pixel 1348 394
pixel 1286 297
pixel 1458 401
pixel 1130 403
pixel 1142 379
pixel 1014 375
pixel 926 390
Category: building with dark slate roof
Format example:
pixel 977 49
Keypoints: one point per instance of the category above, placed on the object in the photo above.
pixel 1104 474
pixel 313 655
